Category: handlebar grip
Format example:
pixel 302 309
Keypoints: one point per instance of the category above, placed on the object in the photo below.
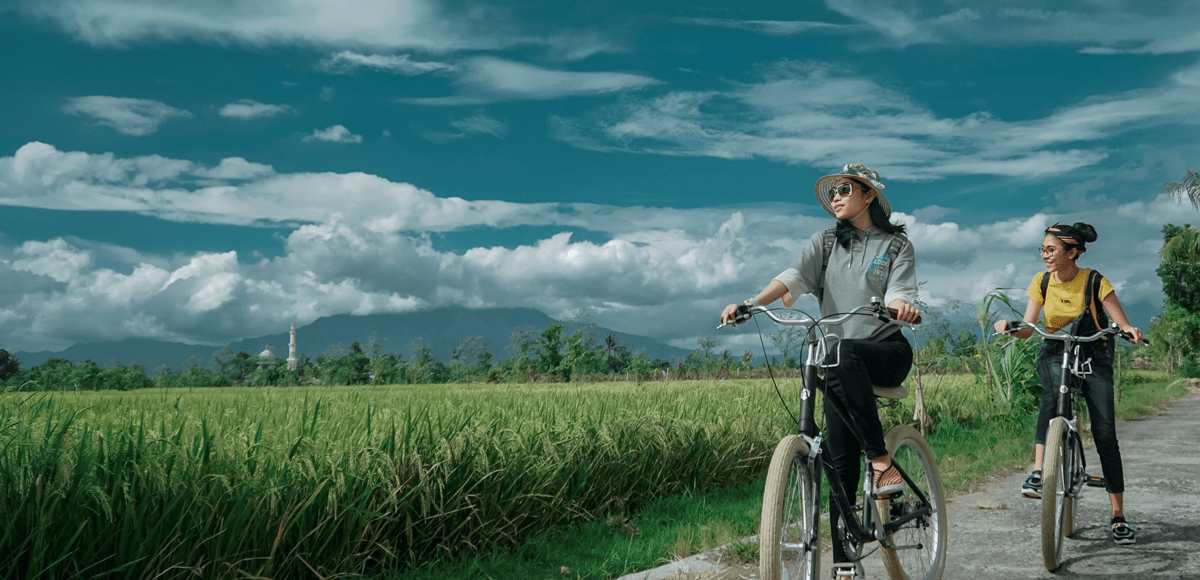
pixel 743 314
pixel 892 312
pixel 1144 341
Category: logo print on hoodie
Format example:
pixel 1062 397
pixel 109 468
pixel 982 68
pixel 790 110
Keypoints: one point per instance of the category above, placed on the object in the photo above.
pixel 879 268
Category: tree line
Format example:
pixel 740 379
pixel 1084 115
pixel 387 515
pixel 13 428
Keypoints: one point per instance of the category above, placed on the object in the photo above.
pixel 559 352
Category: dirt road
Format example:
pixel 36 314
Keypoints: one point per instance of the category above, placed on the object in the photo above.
pixel 994 532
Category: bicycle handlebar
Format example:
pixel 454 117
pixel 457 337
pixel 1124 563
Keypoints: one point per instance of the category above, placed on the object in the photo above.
pixel 1113 329
pixel 875 309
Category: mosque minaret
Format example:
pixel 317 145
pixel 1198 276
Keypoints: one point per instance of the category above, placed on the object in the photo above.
pixel 291 360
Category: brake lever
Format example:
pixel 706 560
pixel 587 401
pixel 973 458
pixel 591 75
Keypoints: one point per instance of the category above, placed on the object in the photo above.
pixel 743 314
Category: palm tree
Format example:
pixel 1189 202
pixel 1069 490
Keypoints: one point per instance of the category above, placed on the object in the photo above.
pixel 1184 245
pixel 1186 190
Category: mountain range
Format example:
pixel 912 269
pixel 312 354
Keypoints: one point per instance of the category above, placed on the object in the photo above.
pixel 441 329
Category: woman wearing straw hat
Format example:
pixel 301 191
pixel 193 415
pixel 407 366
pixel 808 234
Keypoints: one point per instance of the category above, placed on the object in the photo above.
pixel 871 258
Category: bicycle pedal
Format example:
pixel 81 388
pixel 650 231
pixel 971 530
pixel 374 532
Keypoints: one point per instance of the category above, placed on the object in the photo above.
pixel 846 570
pixel 1093 481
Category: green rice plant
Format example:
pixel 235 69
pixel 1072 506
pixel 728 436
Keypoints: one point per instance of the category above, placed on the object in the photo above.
pixel 349 481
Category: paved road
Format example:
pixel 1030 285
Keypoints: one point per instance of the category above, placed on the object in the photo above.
pixel 995 532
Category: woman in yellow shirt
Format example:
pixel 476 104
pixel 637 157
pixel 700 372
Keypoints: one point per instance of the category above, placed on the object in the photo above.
pixel 1063 300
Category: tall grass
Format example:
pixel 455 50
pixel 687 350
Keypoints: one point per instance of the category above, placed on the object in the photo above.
pixel 344 482
pixel 348 481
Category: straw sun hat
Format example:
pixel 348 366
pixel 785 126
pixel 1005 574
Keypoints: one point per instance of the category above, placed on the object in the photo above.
pixel 864 175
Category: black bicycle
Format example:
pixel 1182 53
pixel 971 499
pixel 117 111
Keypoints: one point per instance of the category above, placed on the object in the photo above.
pixel 910 527
pixel 1064 466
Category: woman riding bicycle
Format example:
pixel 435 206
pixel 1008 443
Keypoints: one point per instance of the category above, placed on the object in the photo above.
pixel 871 258
pixel 1063 290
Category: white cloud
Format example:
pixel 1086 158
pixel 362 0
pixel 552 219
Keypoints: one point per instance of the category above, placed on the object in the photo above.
pixel 235 168
pixel 251 109
pixel 137 117
pixel 334 134
pixel 481 124
pixel 1189 77
pixel 377 256
pixel 799 112
pixel 419 24
pixel 347 61
pixel 488 80
pixel 1100 28
pixel 237 192
pixel 769 27
pixel 55 259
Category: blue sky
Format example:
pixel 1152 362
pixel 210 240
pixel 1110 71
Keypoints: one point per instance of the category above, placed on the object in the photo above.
pixel 209 170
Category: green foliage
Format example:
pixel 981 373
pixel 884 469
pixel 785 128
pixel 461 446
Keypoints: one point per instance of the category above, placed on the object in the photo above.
pixel 1190 369
pixel 1179 268
pixel 9 365
pixel 550 353
pixel 1175 335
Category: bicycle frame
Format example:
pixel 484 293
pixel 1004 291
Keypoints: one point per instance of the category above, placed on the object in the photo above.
pixel 1070 366
pixel 861 531
pixel 1063 462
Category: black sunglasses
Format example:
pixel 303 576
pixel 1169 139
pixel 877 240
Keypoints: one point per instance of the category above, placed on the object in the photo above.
pixel 843 189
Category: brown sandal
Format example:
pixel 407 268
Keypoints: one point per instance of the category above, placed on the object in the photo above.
pixel 887 482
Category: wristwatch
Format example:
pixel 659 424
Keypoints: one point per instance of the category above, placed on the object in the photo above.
pixel 752 302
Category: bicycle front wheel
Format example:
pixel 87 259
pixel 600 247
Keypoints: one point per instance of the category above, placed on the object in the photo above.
pixel 916 551
pixel 1059 462
pixel 788 535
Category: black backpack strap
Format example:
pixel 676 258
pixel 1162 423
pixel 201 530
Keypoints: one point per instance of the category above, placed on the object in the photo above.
pixel 828 238
pixel 1045 285
pixel 1099 316
pixel 893 251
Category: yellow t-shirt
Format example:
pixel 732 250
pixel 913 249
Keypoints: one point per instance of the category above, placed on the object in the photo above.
pixel 1064 300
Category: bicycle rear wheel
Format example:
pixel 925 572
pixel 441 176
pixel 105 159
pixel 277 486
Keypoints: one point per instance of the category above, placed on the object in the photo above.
pixel 788 536
pixel 918 549
pixel 1058 506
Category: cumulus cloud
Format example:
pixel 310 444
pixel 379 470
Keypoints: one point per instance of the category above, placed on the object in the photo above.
pixel 381 258
pixel 334 134
pixel 238 192
pixel 488 80
pixel 251 109
pixel 347 61
pixel 136 117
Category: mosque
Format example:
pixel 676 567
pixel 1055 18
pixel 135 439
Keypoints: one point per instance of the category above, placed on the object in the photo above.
pixel 267 356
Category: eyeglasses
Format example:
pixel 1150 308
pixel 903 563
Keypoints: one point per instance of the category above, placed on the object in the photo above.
pixel 1049 250
pixel 844 190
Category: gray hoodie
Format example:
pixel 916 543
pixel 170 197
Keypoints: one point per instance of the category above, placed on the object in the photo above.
pixel 854 275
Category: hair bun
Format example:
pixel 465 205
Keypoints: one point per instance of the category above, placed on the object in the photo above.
pixel 1086 231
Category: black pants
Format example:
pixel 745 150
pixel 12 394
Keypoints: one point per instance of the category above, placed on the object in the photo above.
pixel 863 364
pixel 1097 393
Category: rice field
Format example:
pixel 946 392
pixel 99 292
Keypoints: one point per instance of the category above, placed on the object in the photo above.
pixel 367 481
pixel 349 481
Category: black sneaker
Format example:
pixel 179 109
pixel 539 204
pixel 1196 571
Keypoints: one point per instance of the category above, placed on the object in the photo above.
pixel 1032 488
pixel 1122 532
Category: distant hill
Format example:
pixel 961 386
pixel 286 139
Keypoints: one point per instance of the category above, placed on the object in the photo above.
pixel 442 329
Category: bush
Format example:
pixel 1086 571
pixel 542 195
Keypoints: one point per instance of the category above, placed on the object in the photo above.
pixel 1190 369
